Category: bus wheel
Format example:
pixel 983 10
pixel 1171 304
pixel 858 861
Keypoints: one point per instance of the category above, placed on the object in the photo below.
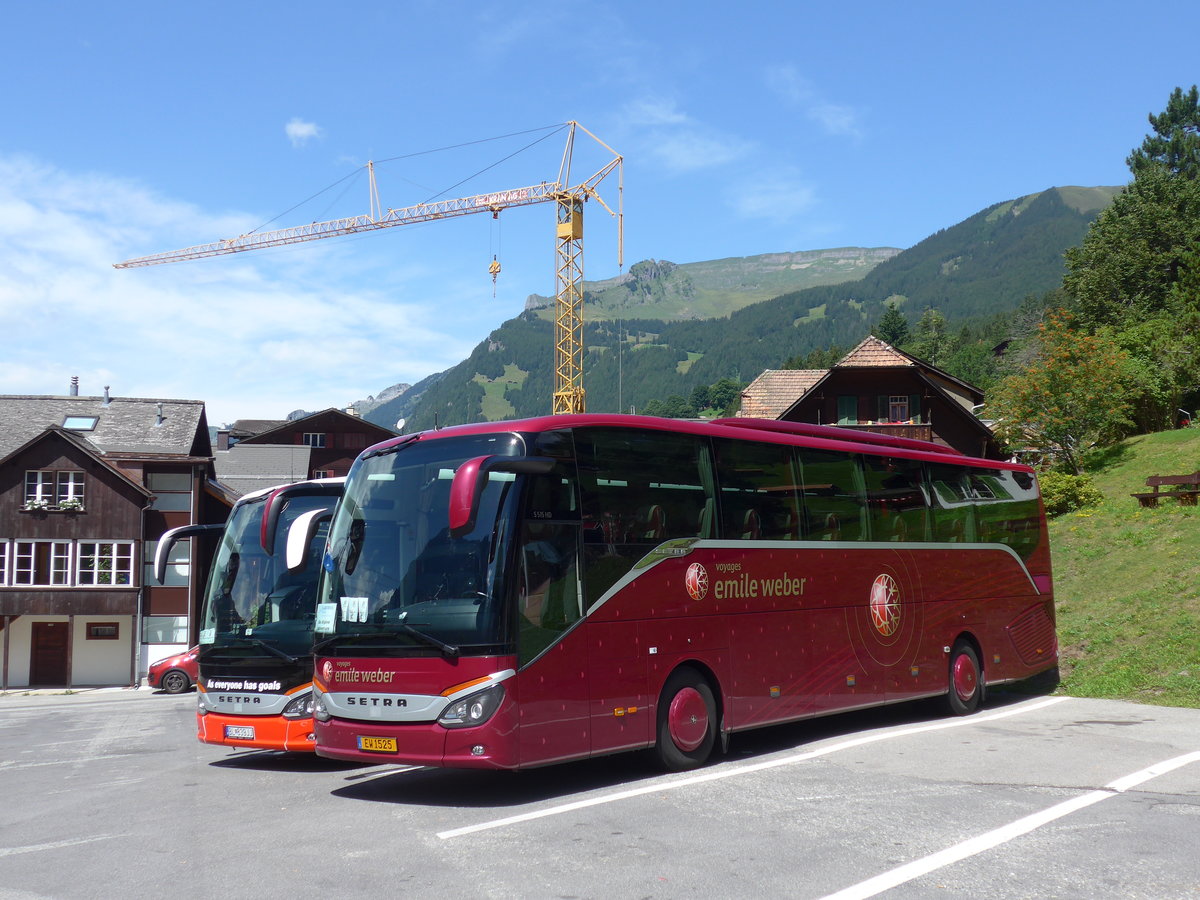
pixel 966 680
pixel 687 721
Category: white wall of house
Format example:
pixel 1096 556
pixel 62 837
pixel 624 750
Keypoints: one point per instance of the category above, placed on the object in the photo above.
pixel 101 662
pixel 93 662
pixel 20 637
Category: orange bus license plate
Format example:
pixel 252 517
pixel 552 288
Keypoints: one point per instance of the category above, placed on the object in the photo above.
pixel 377 744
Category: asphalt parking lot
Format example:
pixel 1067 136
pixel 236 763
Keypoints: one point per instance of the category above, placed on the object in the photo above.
pixel 107 793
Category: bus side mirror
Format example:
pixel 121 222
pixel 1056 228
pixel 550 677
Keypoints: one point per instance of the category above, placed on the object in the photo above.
pixel 300 537
pixel 471 478
pixel 169 539
pixel 273 508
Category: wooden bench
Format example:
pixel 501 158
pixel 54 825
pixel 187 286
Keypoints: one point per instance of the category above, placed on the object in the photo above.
pixel 1184 488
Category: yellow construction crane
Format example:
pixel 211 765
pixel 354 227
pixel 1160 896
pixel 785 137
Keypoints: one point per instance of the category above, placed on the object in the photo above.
pixel 568 199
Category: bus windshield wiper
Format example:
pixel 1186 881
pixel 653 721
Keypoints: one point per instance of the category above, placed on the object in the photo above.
pixel 391 448
pixel 258 642
pixel 347 635
pixel 449 650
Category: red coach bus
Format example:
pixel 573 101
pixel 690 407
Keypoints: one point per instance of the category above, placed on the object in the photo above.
pixel 255 663
pixel 515 594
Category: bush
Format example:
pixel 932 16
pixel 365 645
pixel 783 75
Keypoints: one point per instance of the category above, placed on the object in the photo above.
pixel 1062 492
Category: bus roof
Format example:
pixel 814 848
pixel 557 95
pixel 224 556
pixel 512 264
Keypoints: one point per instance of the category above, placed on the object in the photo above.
pixel 828 437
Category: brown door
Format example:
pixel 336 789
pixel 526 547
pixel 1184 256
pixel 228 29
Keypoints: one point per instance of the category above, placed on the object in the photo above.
pixel 48 659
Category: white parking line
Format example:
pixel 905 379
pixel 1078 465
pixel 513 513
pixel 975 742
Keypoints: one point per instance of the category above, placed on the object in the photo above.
pixel 994 838
pixel 7 765
pixel 732 771
pixel 57 845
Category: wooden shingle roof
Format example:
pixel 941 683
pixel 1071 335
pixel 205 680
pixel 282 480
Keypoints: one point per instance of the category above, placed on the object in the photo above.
pixel 770 394
pixel 874 353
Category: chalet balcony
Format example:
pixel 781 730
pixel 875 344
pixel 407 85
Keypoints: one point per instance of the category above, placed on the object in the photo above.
pixel 895 429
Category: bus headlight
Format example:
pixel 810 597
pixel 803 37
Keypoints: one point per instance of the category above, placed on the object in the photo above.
pixel 299 708
pixel 473 710
pixel 201 709
pixel 319 711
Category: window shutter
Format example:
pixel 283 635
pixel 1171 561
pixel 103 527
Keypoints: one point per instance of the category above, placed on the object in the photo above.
pixel 914 407
pixel 847 410
pixel 885 408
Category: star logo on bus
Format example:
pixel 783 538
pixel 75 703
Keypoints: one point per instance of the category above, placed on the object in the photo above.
pixel 327 672
pixel 885 605
pixel 696 581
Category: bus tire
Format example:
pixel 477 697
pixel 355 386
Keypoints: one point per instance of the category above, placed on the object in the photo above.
pixel 687 721
pixel 966 680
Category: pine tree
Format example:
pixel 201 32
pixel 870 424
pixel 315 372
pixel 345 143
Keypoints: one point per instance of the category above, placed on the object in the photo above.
pixel 892 327
pixel 1175 144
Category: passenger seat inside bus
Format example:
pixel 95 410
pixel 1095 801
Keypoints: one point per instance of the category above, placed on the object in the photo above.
pixel 652 521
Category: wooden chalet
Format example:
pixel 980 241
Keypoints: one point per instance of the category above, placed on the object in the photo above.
pixel 876 387
pixel 87 486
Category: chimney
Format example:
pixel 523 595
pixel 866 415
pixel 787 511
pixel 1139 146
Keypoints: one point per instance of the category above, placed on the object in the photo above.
pixel 74 386
pixel 159 418
pixel 222 438
pixel 351 411
pixel 107 399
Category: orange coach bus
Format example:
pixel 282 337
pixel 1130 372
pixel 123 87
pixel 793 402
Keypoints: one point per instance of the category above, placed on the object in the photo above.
pixel 255 662
pixel 515 594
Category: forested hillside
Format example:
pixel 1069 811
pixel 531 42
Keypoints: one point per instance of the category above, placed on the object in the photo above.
pixel 982 266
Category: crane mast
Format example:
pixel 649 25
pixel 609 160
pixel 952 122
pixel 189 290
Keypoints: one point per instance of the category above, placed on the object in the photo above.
pixel 569 396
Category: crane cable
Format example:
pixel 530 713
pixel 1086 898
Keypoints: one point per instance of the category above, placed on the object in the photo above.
pixel 498 232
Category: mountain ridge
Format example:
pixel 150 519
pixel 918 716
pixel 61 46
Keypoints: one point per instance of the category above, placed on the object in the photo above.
pixel 984 265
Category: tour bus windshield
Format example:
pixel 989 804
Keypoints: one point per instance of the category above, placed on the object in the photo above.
pixel 252 598
pixel 396 582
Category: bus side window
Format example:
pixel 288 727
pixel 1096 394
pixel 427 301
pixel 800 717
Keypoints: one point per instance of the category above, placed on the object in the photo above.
pixel 896 499
pixel 952 509
pixel 759 491
pixel 639 488
pixel 834 503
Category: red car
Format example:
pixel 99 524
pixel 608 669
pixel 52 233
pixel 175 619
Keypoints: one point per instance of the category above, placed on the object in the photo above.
pixel 175 674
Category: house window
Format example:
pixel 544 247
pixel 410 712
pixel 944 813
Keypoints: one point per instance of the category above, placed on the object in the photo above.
pixel 3 562
pixel 172 491
pixel 105 563
pixel 80 423
pixel 900 408
pixel 42 563
pixel 847 410
pixel 164 630
pixel 103 631
pixel 314 439
pixel 53 489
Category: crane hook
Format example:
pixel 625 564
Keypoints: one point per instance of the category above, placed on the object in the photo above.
pixel 494 268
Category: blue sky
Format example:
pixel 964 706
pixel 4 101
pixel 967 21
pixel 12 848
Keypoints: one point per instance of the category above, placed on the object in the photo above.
pixel 132 128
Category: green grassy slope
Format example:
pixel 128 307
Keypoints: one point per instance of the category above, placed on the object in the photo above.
pixel 1127 581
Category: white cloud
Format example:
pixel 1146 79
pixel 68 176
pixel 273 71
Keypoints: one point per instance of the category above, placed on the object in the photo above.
pixel 676 140
pixel 300 132
pixel 779 197
pixel 797 91
pixel 254 336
